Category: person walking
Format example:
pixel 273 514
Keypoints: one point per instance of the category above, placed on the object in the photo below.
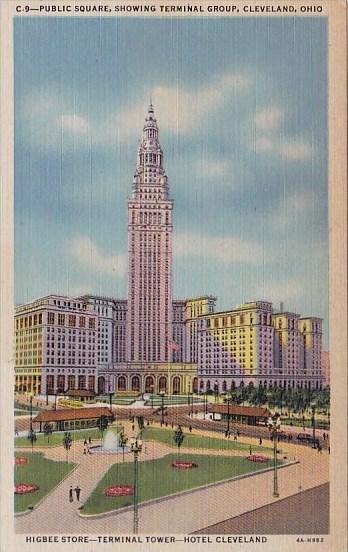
pixel 260 441
pixel 85 442
pixel 250 450
pixel 78 492
pixel 71 498
pixel 89 440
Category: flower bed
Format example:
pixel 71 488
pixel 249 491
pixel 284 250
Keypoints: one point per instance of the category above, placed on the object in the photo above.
pixel 184 465
pixel 20 460
pixel 24 488
pixel 257 458
pixel 119 490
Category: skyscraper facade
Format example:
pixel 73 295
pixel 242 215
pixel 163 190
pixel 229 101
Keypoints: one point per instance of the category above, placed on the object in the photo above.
pixel 149 317
pixel 151 342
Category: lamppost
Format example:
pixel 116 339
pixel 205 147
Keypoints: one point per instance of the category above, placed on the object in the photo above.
pixel 274 427
pixel 228 414
pixel 31 413
pixel 216 390
pixel 162 393
pixel 205 403
pixel 136 445
pixel 313 425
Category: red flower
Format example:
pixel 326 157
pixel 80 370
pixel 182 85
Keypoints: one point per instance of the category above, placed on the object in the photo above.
pixel 119 490
pixel 184 465
pixel 21 460
pixel 24 488
pixel 257 458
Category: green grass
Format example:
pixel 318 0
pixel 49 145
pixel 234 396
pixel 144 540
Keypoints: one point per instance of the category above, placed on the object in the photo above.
pixel 158 478
pixel 57 438
pixel 40 471
pixel 197 441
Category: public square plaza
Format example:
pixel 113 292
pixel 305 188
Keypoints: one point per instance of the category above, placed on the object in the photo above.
pixel 159 462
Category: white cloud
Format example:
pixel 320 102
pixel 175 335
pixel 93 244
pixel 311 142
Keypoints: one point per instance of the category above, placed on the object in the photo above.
pixel 74 123
pixel 268 119
pixel 224 249
pixel 296 149
pixel 292 210
pixel 82 250
pixel 209 168
pixel 178 109
pixel 264 144
pixel 285 291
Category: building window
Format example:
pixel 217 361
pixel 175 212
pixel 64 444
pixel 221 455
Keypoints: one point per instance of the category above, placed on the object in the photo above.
pixel 72 320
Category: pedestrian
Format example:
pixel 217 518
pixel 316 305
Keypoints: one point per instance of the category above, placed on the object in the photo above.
pixel 90 440
pixel 78 492
pixel 84 449
pixel 190 428
pixel 329 449
pixel 250 450
pixel 235 437
pixel 85 442
pixel 172 425
pixel 71 498
pixel 133 427
pixel 260 441
pixel 237 433
pixel 16 432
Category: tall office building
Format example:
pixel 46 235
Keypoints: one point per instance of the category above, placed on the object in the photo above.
pixel 149 316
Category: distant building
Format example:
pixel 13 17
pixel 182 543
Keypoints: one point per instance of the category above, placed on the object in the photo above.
pixel 55 345
pixel 325 367
pixel 150 341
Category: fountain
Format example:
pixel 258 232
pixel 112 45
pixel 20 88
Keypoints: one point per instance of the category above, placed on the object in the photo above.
pixel 110 444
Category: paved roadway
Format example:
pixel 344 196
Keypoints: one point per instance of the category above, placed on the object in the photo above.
pixel 201 508
pixel 297 515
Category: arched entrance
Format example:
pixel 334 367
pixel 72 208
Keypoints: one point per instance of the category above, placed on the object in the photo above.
pixel 149 384
pixel 121 383
pixel 135 385
pixel 162 384
pixel 195 385
pixel 101 385
pixel 176 385
pixel 60 383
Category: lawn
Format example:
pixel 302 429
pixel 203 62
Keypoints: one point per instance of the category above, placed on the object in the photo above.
pixel 197 441
pixel 158 478
pixel 56 438
pixel 40 471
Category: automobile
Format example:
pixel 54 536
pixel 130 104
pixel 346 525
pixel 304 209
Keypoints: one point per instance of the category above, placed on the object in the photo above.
pixel 306 438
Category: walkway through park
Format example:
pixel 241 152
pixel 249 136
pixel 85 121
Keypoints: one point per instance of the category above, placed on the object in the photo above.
pixel 193 511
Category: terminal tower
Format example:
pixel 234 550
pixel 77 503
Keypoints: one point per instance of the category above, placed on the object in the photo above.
pixel 150 228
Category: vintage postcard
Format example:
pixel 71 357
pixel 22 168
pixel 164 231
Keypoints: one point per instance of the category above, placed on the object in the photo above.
pixel 173 302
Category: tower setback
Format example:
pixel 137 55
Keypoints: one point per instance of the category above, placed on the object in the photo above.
pixel 149 316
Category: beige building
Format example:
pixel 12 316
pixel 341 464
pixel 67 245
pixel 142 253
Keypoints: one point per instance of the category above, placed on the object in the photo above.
pixel 55 345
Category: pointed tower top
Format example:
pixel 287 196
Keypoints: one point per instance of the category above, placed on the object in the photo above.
pixel 151 113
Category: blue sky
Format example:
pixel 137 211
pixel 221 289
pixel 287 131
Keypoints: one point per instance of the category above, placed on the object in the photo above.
pixel 241 105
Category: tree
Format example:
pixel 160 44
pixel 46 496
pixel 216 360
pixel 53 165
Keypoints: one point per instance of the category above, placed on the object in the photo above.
pixel 48 429
pixel 102 424
pixel 32 438
pixel 178 437
pixel 67 442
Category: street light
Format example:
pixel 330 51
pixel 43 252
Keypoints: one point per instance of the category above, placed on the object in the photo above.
pixel 313 425
pixel 274 426
pixel 31 413
pixel 162 393
pixel 136 445
pixel 216 390
pixel 228 415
